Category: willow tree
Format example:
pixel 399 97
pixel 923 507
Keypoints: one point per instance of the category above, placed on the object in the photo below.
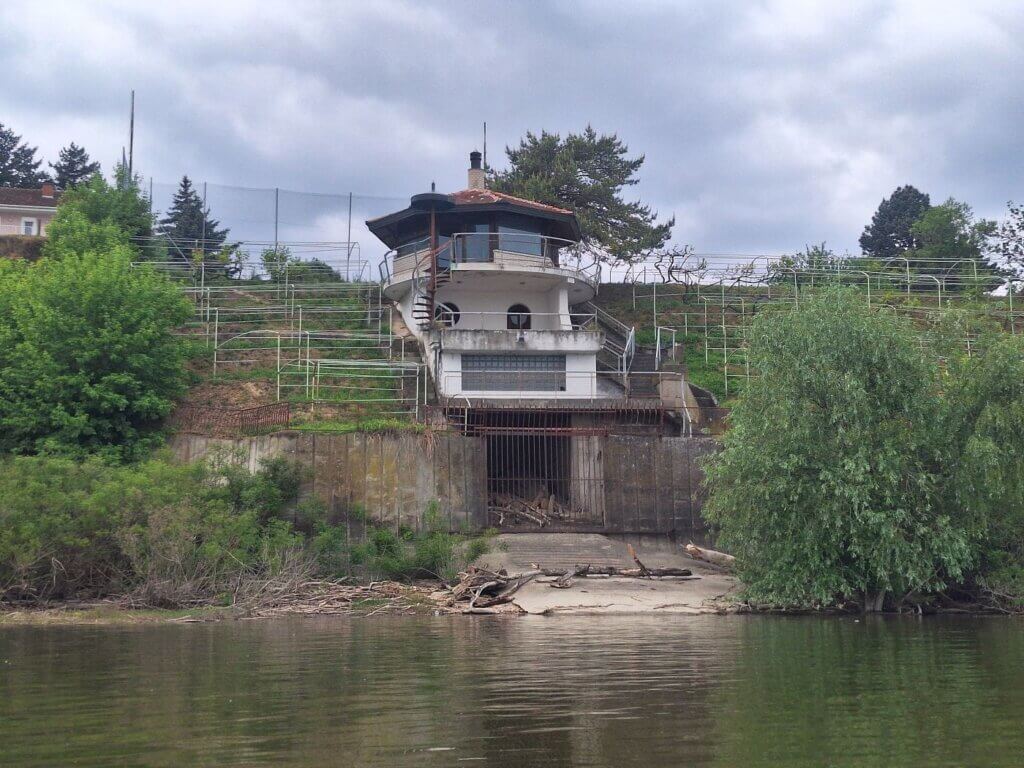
pixel 830 487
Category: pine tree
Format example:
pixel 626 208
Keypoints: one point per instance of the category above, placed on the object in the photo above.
pixel 587 174
pixel 889 233
pixel 188 226
pixel 18 164
pixel 73 167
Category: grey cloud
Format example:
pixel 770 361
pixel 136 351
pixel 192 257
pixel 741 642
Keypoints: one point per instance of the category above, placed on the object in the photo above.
pixel 765 126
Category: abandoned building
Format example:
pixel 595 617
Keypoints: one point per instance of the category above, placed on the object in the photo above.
pixel 574 418
pixel 544 410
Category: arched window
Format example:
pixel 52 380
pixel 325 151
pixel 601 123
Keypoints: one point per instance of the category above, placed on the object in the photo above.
pixel 446 314
pixel 518 317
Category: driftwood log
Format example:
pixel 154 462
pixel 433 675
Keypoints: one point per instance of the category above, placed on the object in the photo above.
pixel 721 559
pixel 480 590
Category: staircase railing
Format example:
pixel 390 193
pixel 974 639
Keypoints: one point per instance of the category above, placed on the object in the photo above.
pixel 622 353
pixel 666 332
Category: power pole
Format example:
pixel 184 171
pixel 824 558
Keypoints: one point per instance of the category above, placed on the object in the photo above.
pixel 348 242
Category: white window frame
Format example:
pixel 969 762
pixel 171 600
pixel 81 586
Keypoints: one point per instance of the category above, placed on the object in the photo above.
pixel 30 220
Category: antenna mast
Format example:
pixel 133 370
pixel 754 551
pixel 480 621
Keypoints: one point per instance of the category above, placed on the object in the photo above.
pixel 131 136
pixel 485 146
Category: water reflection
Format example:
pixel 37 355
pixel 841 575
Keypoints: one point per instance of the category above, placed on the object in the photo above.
pixel 599 691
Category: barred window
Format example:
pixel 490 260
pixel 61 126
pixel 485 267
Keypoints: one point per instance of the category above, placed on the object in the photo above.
pixel 490 373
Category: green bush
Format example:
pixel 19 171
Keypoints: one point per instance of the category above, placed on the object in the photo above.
pixel 829 487
pixel 430 553
pixel 118 212
pixel 88 362
pixel 175 532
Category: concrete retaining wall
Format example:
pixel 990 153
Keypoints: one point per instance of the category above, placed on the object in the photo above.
pixel 647 485
pixel 392 477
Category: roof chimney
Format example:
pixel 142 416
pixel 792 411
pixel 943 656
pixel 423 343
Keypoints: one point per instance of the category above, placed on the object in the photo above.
pixel 48 191
pixel 476 173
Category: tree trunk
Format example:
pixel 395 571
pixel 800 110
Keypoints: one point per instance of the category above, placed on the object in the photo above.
pixel 874 601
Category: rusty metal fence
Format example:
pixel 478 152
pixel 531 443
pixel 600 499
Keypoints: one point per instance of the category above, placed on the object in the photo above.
pixel 230 422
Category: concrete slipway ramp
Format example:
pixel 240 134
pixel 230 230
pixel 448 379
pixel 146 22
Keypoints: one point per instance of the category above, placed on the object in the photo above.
pixel 522 552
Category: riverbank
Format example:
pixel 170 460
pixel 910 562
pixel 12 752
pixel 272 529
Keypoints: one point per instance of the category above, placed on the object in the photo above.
pixel 697 588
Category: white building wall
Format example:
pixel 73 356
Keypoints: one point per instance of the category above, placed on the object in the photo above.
pixel 494 307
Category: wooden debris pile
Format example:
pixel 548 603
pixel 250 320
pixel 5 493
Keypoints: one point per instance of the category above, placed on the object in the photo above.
pixel 542 508
pixel 330 598
pixel 480 590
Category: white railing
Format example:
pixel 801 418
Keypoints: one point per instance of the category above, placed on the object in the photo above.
pixel 663 332
pixel 509 250
pixel 629 351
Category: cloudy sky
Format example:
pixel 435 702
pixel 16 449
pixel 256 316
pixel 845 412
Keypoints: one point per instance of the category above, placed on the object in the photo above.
pixel 765 125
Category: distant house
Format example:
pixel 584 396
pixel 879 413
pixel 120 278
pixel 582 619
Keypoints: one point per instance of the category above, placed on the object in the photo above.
pixel 27 211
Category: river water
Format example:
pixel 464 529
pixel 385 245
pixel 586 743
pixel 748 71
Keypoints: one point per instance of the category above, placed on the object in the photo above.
pixel 517 692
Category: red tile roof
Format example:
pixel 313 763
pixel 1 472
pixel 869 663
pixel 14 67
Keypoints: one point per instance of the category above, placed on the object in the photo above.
pixel 32 197
pixel 488 196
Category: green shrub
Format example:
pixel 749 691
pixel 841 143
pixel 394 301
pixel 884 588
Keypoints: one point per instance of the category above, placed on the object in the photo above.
pixel 176 532
pixel 827 488
pixel 430 553
pixel 88 362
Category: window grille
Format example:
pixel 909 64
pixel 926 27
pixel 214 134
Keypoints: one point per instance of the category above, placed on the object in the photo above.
pixel 490 373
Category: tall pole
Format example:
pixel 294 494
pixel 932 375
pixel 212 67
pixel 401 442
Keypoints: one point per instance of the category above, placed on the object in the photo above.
pixel 277 196
pixel 485 146
pixel 131 137
pixel 204 222
pixel 348 241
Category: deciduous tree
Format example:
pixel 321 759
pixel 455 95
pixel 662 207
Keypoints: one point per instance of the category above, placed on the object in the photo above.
pixel 1009 239
pixel 829 486
pixel 88 360
pixel 950 241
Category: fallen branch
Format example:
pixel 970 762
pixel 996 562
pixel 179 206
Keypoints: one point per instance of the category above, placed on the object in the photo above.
pixel 643 569
pixel 721 559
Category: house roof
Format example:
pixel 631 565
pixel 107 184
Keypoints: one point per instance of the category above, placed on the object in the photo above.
pixel 28 197
pixel 389 228
pixel 489 196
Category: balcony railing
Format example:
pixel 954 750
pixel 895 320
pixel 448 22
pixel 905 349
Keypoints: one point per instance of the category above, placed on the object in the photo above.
pixel 513 250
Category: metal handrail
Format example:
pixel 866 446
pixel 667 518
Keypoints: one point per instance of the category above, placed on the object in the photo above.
pixel 570 258
pixel 629 351
pixel 658 345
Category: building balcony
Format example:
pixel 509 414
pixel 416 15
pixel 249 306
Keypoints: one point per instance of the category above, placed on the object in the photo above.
pixel 535 260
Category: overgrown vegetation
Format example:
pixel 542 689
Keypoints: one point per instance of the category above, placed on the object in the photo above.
pixel 180 534
pixel 861 466
pixel 432 552
pixel 88 362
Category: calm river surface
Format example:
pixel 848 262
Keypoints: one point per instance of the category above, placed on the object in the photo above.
pixel 517 692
